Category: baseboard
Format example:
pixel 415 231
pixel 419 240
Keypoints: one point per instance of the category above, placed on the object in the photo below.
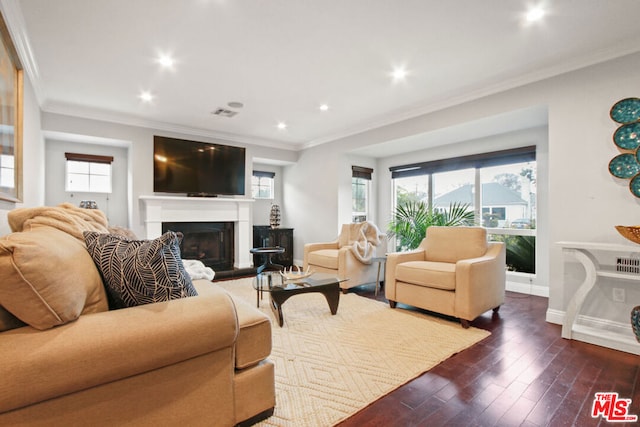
pixel 527 288
pixel 602 332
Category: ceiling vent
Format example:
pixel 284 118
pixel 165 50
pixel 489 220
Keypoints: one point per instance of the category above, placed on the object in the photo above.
pixel 223 112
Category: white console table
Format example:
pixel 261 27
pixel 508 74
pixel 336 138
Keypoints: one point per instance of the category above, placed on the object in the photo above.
pixel 585 253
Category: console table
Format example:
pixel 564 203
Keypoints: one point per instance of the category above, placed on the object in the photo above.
pixel 585 253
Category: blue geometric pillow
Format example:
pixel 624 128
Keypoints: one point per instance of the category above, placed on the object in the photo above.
pixel 137 272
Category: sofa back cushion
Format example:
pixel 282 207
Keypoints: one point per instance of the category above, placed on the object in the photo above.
pixel 47 277
pixel 452 244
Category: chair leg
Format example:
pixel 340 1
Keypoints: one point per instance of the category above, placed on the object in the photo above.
pixel 496 309
pixel 465 323
pixel 392 304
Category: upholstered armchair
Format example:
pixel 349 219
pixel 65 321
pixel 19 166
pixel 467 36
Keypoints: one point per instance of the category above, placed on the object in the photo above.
pixel 455 272
pixel 350 256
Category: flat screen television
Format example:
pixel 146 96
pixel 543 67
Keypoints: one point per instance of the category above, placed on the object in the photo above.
pixel 197 168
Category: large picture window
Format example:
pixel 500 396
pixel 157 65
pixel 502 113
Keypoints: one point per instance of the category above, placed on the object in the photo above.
pixel 500 187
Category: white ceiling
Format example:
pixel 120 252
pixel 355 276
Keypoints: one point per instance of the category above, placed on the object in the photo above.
pixel 283 58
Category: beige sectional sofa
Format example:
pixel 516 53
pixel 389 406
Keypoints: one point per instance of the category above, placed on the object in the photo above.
pixel 66 359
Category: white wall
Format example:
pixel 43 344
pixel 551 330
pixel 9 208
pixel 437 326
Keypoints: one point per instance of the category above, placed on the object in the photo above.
pixel 115 204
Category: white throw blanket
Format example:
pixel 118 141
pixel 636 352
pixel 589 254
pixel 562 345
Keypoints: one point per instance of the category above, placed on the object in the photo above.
pixel 197 270
pixel 367 238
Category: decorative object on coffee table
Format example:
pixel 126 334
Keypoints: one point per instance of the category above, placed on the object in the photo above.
pixel 274 216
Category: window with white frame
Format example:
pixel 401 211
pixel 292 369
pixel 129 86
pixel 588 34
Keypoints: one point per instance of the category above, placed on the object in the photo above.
pixel 360 190
pixel 88 173
pixel 262 185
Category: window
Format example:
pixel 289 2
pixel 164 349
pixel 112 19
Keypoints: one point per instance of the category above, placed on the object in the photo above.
pixel 7 171
pixel 499 187
pixel 88 173
pixel 360 188
pixel 262 185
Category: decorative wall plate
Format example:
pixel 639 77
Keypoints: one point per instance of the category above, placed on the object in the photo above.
pixel 627 136
pixel 626 110
pixel 634 185
pixel 624 166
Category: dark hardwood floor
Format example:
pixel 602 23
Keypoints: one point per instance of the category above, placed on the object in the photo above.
pixel 524 374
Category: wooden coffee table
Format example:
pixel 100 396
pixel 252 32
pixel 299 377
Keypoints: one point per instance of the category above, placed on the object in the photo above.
pixel 280 290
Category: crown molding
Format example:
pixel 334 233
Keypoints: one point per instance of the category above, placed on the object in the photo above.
pixel 594 58
pixel 130 120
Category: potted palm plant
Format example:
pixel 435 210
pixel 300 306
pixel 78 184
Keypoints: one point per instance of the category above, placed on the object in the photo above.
pixel 412 218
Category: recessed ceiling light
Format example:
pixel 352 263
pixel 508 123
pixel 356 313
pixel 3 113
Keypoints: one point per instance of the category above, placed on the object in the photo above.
pixel 146 96
pixel 324 107
pixel 235 104
pixel 282 125
pixel 166 61
pixel 536 13
pixel 399 73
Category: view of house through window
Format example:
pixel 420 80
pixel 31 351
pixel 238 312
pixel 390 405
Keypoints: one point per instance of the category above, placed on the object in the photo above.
pixel 262 185
pixel 88 173
pixel 500 191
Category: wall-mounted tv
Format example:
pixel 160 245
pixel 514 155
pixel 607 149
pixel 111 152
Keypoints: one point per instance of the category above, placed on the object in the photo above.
pixel 197 168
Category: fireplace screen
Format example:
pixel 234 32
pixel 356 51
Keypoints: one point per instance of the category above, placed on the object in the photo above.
pixel 209 242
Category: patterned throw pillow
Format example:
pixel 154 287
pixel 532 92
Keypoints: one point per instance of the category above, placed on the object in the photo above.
pixel 137 272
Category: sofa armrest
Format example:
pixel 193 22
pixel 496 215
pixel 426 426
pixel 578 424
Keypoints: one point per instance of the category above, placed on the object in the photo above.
pixel 108 346
pixel 393 259
pixel 480 282
pixel 310 247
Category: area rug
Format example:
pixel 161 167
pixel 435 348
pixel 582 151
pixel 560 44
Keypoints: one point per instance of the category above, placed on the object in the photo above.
pixel 328 367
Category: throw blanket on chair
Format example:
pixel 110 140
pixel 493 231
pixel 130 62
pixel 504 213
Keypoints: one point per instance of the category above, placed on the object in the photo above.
pixel 367 237
pixel 65 217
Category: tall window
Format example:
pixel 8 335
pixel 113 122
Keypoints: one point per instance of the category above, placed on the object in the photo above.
pixel 88 173
pixel 500 187
pixel 262 185
pixel 360 188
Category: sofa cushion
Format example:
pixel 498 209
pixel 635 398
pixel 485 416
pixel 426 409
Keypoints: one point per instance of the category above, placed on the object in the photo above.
pixel 451 244
pixel 254 337
pixel 137 272
pixel 327 258
pixel 440 275
pixel 47 278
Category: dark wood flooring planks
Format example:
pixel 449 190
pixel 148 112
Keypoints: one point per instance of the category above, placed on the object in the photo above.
pixel 524 374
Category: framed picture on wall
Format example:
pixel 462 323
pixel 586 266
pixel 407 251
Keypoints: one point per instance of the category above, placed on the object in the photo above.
pixel 11 86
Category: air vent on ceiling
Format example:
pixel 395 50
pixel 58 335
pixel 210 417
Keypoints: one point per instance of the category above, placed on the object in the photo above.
pixel 223 112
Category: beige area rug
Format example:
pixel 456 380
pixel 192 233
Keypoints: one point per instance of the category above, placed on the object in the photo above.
pixel 329 367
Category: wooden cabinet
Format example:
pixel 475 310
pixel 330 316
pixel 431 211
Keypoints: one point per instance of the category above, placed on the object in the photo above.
pixel 264 236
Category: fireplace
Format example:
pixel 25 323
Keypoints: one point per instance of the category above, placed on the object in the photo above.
pixel 209 242
pixel 157 210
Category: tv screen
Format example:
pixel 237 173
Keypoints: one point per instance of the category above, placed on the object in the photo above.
pixel 197 168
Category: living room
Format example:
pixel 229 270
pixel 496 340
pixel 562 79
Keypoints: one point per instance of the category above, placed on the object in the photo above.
pixel 561 106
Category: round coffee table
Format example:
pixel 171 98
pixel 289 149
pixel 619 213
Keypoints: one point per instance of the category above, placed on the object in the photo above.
pixel 267 253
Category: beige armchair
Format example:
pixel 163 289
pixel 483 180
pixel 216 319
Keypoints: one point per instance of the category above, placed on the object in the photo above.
pixel 350 256
pixel 455 272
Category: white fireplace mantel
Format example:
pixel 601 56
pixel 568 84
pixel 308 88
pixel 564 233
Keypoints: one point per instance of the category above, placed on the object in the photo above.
pixel 154 210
